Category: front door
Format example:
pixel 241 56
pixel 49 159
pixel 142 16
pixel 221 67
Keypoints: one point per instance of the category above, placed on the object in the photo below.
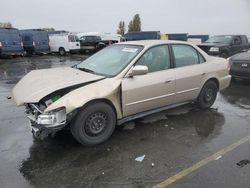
pixel 152 90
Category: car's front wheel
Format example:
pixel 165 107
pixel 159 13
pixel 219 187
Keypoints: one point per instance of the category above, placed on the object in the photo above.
pixel 94 124
pixel 207 95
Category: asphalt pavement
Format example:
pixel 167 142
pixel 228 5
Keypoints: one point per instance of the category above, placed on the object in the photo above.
pixel 142 153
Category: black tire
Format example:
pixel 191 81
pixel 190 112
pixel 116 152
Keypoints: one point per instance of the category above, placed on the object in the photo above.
pixel 94 124
pixel 62 51
pixel 224 55
pixel 207 95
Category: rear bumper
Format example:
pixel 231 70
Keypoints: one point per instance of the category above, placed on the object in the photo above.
pixel 87 47
pixel 225 82
pixel 10 53
pixel 74 50
pixel 36 51
pixel 240 73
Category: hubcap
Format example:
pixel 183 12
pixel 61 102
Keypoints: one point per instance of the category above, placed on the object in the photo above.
pixel 208 95
pixel 96 123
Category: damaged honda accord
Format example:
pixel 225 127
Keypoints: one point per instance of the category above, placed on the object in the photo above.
pixel 118 84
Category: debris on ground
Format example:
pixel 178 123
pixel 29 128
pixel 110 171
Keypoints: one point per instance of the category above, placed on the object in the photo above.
pixel 140 159
pixel 108 149
pixel 103 173
pixel 129 126
pixel 172 128
pixel 217 158
pixel 152 164
pixel 8 97
pixel 166 125
pixel 242 163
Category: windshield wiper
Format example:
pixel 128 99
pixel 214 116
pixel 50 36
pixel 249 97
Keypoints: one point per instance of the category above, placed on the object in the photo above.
pixel 86 70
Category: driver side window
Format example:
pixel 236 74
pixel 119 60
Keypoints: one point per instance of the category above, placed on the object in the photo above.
pixel 156 59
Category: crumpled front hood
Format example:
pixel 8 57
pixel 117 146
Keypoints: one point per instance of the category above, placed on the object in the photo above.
pixel 39 83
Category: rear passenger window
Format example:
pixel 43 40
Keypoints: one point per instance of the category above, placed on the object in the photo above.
pixel 185 55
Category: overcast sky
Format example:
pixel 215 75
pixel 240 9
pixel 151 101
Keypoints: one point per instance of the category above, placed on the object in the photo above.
pixel 167 16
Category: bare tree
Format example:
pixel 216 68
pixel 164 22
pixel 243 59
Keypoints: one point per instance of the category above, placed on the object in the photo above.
pixel 135 24
pixel 6 25
pixel 121 28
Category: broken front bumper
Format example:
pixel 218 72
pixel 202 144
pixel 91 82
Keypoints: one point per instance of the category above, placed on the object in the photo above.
pixel 43 124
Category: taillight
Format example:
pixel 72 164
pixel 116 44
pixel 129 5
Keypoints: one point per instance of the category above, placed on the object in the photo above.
pixel 1 45
pixel 33 44
pixel 228 65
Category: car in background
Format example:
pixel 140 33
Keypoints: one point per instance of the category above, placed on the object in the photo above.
pixel 120 83
pixel 142 35
pixel 10 42
pixel 91 43
pixel 35 41
pixel 225 45
pixel 240 65
pixel 64 42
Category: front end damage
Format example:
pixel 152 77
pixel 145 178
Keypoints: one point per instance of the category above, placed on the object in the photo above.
pixel 43 123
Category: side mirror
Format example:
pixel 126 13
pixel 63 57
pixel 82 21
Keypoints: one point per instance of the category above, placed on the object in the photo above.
pixel 138 70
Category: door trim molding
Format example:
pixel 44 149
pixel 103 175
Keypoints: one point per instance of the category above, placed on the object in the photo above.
pixel 150 99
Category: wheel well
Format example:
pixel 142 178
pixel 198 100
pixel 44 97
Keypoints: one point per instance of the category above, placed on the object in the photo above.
pixel 225 51
pixel 214 80
pixel 101 100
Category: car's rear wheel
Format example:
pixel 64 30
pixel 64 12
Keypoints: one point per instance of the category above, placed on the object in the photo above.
pixel 62 51
pixel 207 95
pixel 94 124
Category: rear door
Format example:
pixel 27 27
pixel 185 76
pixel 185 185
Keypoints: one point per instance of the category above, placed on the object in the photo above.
pixel 74 43
pixel 152 90
pixel 190 72
pixel 237 45
pixel 44 41
pixel 11 41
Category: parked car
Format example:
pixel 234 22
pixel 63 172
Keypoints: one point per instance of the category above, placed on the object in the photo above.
pixel 35 41
pixel 64 42
pixel 10 42
pixel 142 35
pixel 225 45
pixel 240 65
pixel 91 43
pixel 120 83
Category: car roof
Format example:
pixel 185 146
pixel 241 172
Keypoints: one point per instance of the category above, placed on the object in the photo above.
pixel 153 42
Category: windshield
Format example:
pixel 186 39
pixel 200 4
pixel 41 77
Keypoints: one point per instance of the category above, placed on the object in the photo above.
pixel 220 39
pixel 111 60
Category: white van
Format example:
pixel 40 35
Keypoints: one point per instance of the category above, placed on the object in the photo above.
pixel 64 42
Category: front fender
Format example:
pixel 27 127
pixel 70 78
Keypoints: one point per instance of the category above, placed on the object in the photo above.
pixel 108 89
